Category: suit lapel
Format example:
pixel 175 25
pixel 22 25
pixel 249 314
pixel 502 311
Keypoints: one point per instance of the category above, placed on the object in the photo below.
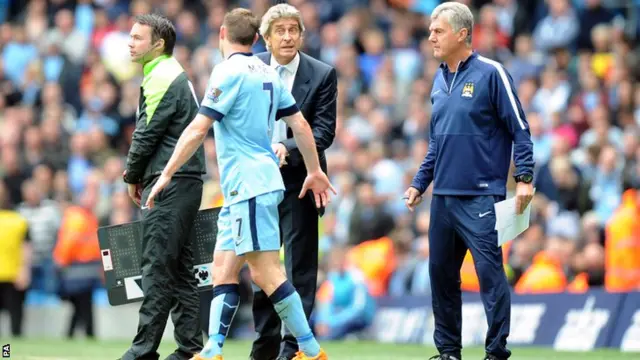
pixel 302 81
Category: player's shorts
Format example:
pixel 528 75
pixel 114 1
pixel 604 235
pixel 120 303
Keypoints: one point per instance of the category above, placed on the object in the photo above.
pixel 250 225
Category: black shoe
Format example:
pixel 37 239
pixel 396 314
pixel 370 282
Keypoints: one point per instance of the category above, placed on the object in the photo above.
pixel 492 357
pixel 443 357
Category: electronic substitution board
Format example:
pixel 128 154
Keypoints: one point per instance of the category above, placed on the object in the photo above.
pixel 121 250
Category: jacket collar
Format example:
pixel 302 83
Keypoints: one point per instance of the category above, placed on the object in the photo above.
pixel 463 64
pixel 148 67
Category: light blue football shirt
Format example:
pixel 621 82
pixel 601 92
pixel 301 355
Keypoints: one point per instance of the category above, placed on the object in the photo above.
pixel 245 97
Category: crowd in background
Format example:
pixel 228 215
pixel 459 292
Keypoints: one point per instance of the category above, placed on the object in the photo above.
pixel 69 95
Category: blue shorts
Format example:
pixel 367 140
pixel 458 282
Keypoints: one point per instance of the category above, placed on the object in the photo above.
pixel 250 225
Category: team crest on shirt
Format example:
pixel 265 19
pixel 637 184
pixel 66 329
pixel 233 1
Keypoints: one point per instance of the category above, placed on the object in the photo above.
pixel 467 90
pixel 214 94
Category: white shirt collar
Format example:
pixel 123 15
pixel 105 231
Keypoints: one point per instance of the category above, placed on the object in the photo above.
pixel 291 67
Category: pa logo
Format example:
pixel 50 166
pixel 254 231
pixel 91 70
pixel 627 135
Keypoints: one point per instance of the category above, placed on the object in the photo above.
pixel 202 274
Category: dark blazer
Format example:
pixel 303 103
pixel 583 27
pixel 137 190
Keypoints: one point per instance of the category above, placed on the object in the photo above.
pixel 315 89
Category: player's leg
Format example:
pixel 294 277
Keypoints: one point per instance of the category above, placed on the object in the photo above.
pixel 300 254
pixel 15 300
pixel 262 254
pixel 85 312
pixel 446 253
pixel 267 323
pixel 185 313
pixel 226 294
pixel 161 250
pixel 482 239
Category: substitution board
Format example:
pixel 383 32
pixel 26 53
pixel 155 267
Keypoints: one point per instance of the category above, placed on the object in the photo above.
pixel 121 250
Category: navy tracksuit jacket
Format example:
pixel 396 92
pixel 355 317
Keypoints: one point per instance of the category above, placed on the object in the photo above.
pixel 476 121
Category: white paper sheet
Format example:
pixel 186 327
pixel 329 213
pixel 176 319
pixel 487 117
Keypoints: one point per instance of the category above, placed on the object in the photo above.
pixel 508 223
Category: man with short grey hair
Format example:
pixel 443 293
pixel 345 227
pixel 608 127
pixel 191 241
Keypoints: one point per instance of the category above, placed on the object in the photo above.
pixel 476 121
pixel 313 85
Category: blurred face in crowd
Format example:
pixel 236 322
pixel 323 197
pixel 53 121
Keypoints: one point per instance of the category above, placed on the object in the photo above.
pixel 43 177
pixel 64 21
pixel 593 255
pixel 367 196
pixel 558 7
pixel 10 160
pixel 560 249
pixel 535 124
pixel 608 159
pixel 562 173
pixel 284 39
pixel 338 259
pixel 33 138
pixel 601 38
pixel 488 16
pixel 141 43
pixel 31 193
pixel 113 168
pixel 524 45
pixel 444 39
pixel 373 42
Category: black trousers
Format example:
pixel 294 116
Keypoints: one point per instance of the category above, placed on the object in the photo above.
pixel 82 313
pixel 299 233
pixel 167 272
pixel 12 300
pixel 459 223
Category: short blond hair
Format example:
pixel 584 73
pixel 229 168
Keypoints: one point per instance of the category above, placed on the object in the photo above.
pixel 277 12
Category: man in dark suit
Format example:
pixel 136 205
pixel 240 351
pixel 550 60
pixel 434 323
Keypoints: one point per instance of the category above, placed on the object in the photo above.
pixel 314 87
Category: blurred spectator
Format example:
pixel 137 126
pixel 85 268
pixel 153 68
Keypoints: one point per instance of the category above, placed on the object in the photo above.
pixel 558 29
pixel 77 258
pixel 344 304
pixel 606 189
pixel 15 267
pixel 72 42
pixel 17 55
pixel 622 264
pixel 369 219
pixel 43 216
pixel 546 273
pixel 590 16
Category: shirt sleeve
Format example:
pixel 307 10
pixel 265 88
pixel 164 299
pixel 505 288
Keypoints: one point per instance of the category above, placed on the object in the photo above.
pixel 222 91
pixel 509 109
pixel 286 104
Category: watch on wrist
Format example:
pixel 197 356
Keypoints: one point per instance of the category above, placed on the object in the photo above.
pixel 525 178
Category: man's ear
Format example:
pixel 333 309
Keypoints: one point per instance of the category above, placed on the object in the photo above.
pixel 255 38
pixel 160 44
pixel 463 34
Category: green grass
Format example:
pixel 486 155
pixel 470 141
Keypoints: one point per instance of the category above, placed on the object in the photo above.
pixel 111 350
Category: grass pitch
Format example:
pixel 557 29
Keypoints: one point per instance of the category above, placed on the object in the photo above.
pixel 32 349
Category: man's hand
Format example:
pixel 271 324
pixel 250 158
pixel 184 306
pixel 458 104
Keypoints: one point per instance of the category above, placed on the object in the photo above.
pixel 162 182
pixel 319 184
pixel 412 198
pixel 281 153
pixel 23 280
pixel 524 194
pixel 135 193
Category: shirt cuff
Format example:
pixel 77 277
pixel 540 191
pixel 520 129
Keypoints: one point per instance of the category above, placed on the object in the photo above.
pixel 288 111
pixel 211 113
